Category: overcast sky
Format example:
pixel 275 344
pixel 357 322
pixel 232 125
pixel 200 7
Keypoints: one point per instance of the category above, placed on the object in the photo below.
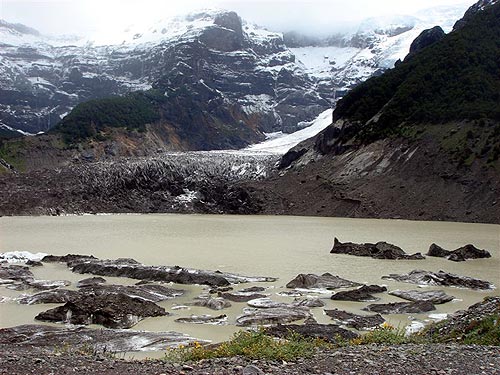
pixel 84 16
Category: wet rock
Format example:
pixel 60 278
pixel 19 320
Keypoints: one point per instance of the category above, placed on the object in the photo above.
pixel 274 315
pixel 327 332
pixel 359 322
pixel 401 307
pixel 102 340
pixel 21 278
pixel 204 319
pixel 326 281
pixel 435 296
pixel 308 302
pixel 48 284
pixel 51 296
pixel 217 303
pixel 253 289
pixel 379 250
pixel 69 259
pixel 362 294
pixel 222 289
pixel 133 269
pixel 241 296
pixel 147 292
pixel 107 309
pixel 458 255
pixel 91 281
pixel 440 278
pixel 15 273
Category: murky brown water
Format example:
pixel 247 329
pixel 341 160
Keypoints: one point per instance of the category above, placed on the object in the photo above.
pixel 277 246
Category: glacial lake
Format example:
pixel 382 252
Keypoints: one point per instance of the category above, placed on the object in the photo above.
pixel 278 246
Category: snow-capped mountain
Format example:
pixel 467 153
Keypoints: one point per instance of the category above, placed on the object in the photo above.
pixel 42 79
pixel 279 88
pixel 343 60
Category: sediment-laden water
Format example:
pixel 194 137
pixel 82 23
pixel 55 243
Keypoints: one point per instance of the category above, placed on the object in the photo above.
pixel 276 246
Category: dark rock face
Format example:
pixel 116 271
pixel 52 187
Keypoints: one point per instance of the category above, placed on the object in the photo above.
pixel 327 332
pixel 110 310
pixel 326 280
pixel 458 255
pixel 380 250
pixel 425 39
pixel 109 340
pixel 34 263
pixel 435 296
pixel 440 278
pixel 362 294
pixel 68 259
pixel 359 322
pixel 223 57
pixel 401 307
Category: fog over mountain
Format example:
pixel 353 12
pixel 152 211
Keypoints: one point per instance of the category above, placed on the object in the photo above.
pixel 92 16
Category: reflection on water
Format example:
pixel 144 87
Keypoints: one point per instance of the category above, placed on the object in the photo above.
pixel 278 246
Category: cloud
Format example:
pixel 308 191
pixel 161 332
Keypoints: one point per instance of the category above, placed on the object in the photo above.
pixel 76 16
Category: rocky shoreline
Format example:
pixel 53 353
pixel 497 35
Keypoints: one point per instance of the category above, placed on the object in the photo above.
pixel 437 359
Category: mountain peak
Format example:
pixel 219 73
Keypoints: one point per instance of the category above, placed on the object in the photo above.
pixel 17 28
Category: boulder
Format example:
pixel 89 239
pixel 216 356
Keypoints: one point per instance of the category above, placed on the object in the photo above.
pixel 359 322
pixel 273 315
pixel 34 263
pixel 325 281
pixel 458 255
pixel 107 309
pixel 362 294
pixel 435 296
pixel 204 319
pixel 253 289
pixel 401 307
pixel 101 340
pixel 308 302
pixel 380 250
pixel 328 332
pixel 440 278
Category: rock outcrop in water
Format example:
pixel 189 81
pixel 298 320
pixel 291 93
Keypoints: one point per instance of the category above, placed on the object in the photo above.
pixel 327 332
pixel 107 309
pixel 241 296
pixel 325 281
pixel 401 307
pixel 440 278
pixel 101 340
pixel 359 322
pixel 147 292
pixel 135 270
pixel 21 278
pixel 217 303
pixel 204 319
pixel 363 294
pixel 379 250
pixel 435 296
pixel 458 255
pixel 273 315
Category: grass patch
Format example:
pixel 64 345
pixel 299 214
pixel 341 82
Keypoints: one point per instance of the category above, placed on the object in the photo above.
pixel 253 345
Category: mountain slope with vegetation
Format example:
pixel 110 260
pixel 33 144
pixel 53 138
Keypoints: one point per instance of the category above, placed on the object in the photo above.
pixel 422 141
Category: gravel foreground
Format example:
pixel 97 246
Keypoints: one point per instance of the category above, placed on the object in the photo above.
pixel 439 359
